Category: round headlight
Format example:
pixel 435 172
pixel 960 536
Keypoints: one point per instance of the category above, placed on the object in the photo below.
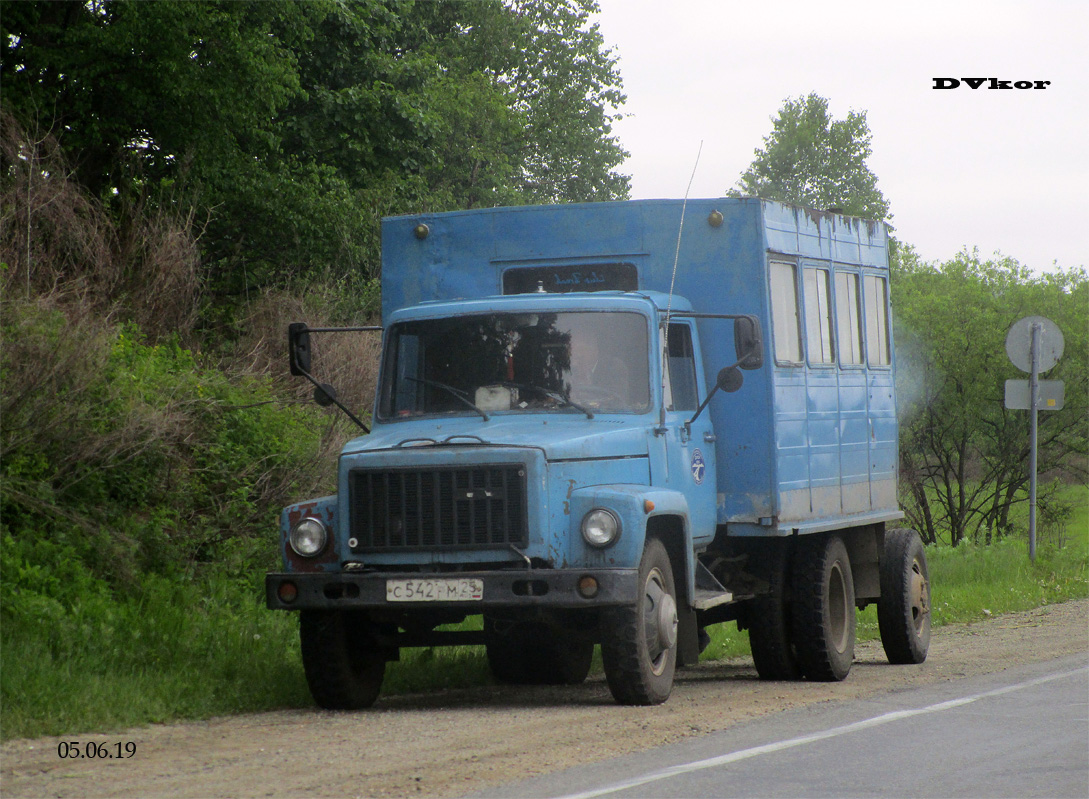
pixel 308 537
pixel 600 527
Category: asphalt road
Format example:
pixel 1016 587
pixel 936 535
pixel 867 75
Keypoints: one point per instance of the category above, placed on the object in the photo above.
pixel 1023 732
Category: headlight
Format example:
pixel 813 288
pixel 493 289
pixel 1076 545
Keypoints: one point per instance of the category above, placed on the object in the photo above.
pixel 308 537
pixel 600 527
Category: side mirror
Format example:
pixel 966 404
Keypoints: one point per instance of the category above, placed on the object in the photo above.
pixel 748 344
pixel 298 348
pixel 729 379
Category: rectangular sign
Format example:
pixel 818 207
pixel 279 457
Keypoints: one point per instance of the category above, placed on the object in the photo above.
pixel 1019 397
pixel 561 279
pixel 434 590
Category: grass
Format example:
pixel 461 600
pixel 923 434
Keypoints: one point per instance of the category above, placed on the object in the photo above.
pixel 194 650
pixel 173 654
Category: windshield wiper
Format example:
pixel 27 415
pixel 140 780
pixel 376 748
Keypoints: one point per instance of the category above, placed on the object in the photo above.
pixel 554 395
pixel 456 393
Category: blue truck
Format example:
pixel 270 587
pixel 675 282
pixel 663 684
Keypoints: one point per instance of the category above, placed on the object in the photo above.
pixel 614 424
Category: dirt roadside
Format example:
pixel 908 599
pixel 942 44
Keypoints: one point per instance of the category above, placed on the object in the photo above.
pixel 450 743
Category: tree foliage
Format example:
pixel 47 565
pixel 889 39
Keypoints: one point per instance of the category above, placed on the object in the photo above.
pixel 963 456
pixel 811 159
pixel 288 129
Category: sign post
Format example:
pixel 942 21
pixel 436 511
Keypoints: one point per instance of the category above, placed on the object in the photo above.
pixel 1034 345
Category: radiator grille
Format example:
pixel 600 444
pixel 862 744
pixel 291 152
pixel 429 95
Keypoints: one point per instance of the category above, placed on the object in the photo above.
pixel 444 508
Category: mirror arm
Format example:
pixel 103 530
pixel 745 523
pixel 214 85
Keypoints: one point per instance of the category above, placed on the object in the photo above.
pixel 712 392
pixel 336 402
pixel 301 328
pixel 699 410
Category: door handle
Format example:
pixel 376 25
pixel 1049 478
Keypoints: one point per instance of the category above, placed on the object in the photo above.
pixel 710 438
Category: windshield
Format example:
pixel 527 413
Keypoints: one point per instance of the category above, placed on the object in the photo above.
pixel 574 362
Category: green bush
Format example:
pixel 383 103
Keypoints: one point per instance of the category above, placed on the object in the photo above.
pixel 146 460
pixel 138 512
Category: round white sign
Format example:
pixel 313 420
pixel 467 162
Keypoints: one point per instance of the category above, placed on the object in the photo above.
pixel 1019 343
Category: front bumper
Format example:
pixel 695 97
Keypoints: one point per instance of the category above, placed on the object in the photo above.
pixel 551 588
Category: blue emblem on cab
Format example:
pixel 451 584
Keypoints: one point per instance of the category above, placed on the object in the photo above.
pixel 698 466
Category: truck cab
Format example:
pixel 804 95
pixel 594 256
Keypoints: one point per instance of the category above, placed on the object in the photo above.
pixel 588 432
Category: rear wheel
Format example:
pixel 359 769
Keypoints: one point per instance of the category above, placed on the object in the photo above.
pixel 823 610
pixel 344 665
pixel 769 619
pixel 639 642
pixel 903 611
pixel 534 653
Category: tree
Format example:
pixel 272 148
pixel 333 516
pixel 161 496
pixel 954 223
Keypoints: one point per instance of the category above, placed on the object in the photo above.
pixel 567 87
pixel 963 455
pixel 137 93
pixel 169 106
pixel 288 129
pixel 813 160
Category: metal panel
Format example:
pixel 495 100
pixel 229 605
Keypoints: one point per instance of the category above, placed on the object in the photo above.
pixel 792 434
pixel 437 508
pixel 824 457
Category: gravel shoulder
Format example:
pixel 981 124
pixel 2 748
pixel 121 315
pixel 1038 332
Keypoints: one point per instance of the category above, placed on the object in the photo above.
pixel 454 742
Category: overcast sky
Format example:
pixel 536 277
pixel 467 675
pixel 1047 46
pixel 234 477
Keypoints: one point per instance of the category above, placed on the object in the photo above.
pixel 1001 170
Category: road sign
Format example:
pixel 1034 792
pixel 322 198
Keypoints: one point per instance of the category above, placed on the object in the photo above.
pixel 1019 395
pixel 1019 343
pixel 1034 344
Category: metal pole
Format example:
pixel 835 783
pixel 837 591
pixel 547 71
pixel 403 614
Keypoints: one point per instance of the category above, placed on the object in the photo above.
pixel 1034 401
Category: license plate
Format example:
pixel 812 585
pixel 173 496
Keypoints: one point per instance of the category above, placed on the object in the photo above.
pixel 460 590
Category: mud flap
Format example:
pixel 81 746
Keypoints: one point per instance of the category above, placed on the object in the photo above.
pixel 688 638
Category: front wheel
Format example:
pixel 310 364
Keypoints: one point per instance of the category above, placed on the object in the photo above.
pixel 639 642
pixel 343 664
pixel 824 608
pixel 903 611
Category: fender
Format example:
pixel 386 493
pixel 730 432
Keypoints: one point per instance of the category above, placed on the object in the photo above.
pixel 325 510
pixel 634 506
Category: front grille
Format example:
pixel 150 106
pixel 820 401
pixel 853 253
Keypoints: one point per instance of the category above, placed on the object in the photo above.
pixel 443 508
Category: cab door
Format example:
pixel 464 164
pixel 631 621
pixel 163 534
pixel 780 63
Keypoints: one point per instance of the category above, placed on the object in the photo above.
pixel 690 449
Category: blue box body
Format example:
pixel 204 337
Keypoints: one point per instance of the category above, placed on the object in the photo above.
pixel 798 447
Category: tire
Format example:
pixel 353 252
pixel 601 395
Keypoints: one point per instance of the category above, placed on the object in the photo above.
pixel 769 619
pixel 639 642
pixel 903 611
pixel 533 653
pixel 344 666
pixel 823 608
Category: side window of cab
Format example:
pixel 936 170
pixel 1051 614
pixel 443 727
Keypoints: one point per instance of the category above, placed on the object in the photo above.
pixel 682 369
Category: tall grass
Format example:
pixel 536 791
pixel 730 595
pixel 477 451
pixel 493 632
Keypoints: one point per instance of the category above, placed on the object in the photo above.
pixel 973 581
pixel 182 650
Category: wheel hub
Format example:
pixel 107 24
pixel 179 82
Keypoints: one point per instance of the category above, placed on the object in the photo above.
pixel 920 596
pixel 660 619
pixel 838 610
pixel 667 622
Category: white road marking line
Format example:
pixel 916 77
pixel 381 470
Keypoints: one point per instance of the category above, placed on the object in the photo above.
pixel 766 749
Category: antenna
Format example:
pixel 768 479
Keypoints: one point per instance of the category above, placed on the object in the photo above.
pixel 680 230
pixel 672 280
